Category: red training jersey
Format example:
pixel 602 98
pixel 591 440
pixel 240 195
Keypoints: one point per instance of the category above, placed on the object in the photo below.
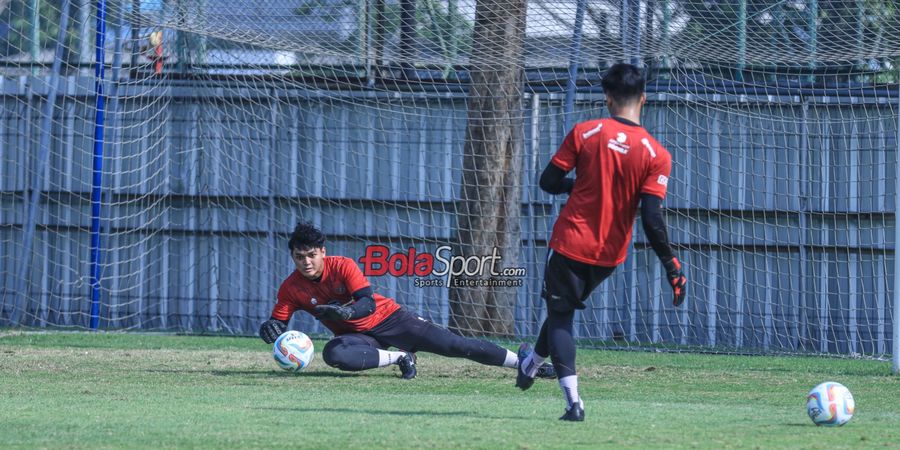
pixel 340 279
pixel 614 163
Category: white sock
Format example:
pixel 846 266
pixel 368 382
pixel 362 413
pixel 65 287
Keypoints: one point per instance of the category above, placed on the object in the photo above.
pixel 386 358
pixel 569 387
pixel 532 363
pixel 512 360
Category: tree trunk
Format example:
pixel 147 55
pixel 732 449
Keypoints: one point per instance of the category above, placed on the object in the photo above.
pixel 407 49
pixel 489 209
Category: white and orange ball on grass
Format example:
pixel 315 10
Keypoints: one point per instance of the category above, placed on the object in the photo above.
pixel 830 404
pixel 293 351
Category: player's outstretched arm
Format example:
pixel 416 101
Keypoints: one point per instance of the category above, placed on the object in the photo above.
pixel 271 329
pixel 655 229
pixel 554 181
pixel 363 305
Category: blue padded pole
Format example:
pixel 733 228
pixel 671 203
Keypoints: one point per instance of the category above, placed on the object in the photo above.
pixel 97 184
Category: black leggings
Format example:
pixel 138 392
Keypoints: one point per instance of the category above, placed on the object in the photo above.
pixel 556 340
pixel 408 332
pixel 567 284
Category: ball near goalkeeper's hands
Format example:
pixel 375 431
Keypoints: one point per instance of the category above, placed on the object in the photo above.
pixel 270 330
pixel 676 279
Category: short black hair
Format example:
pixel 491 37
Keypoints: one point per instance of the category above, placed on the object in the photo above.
pixel 624 83
pixel 306 236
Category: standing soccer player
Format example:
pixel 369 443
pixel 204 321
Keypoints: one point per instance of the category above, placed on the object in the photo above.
pixel 618 165
pixel 366 324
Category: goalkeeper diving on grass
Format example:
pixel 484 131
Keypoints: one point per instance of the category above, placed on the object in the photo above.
pixel 618 165
pixel 365 324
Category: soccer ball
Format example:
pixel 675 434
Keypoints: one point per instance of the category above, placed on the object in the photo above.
pixel 830 404
pixel 293 351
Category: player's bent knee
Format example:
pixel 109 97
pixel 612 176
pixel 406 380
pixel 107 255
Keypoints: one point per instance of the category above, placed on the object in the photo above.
pixel 339 360
pixel 343 357
pixel 331 354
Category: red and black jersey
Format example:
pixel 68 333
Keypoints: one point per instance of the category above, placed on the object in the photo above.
pixel 340 279
pixel 614 162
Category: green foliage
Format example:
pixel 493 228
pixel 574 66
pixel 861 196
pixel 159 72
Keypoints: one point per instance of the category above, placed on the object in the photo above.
pixel 84 390
pixel 326 10
pixel 437 24
pixel 444 24
pixel 784 36
pixel 19 16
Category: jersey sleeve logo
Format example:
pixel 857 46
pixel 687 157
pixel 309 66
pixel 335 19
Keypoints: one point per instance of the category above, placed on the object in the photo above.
pixel 592 132
pixel 663 180
pixel 646 143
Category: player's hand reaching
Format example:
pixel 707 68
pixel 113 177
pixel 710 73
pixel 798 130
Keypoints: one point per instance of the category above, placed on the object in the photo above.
pixel 333 312
pixel 676 279
pixel 270 330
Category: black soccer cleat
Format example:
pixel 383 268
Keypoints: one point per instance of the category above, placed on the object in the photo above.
pixel 407 364
pixel 574 413
pixel 523 381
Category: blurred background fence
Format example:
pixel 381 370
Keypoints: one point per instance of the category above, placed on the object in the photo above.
pixel 164 202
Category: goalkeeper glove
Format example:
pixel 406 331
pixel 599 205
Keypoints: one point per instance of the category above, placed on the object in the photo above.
pixel 676 279
pixel 333 312
pixel 270 330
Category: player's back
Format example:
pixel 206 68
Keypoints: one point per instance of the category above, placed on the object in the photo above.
pixel 614 161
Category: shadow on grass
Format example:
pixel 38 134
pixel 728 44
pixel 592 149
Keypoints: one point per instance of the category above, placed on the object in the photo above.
pixel 284 374
pixel 406 413
pixel 258 373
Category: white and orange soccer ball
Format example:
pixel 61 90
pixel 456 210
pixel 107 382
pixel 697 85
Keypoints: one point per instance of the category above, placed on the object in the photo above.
pixel 830 404
pixel 293 351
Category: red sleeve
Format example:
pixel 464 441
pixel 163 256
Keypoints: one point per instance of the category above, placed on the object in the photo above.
pixel 568 152
pixel 284 306
pixel 353 277
pixel 657 179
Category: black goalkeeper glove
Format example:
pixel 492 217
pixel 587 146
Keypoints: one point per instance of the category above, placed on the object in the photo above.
pixel 270 330
pixel 676 279
pixel 333 312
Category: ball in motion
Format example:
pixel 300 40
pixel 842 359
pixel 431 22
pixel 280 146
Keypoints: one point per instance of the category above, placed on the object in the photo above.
pixel 830 404
pixel 293 351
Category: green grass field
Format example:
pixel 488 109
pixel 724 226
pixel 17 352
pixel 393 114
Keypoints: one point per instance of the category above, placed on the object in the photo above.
pixel 84 390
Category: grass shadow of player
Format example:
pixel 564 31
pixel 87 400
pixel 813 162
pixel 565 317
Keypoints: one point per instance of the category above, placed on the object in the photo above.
pixel 389 412
pixel 282 374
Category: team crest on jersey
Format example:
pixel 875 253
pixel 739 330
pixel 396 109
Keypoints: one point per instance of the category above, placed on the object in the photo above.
pixel 314 301
pixel 619 144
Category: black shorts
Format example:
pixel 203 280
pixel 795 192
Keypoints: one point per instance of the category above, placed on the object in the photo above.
pixel 402 329
pixel 405 331
pixel 568 283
